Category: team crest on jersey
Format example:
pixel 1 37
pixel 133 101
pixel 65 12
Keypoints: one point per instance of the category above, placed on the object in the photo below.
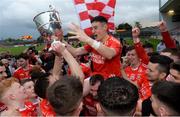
pixel 22 75
pixel 97 59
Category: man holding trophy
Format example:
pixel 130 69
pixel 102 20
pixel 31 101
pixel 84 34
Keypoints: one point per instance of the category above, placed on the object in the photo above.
pixel 49 26
pixel 105 49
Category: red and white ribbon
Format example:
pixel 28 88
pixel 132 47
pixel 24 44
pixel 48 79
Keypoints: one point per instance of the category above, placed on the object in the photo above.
pixel 87 9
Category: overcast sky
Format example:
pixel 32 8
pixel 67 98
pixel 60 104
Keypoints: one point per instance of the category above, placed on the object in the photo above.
pixel 16 15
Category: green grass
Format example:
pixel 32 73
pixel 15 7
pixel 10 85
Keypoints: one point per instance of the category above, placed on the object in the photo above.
pixel 154 42
pixel 17 50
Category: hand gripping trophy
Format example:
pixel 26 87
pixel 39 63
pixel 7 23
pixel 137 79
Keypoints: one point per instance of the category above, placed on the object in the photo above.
pixel 49 25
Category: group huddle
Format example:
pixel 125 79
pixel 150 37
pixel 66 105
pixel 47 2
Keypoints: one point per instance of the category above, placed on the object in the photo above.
pixel 104 77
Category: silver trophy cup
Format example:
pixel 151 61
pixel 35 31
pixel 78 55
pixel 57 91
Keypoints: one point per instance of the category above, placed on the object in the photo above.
pixel 47 22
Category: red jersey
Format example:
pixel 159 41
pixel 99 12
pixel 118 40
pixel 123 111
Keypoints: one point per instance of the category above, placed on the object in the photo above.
pixel 29 109
pixel 46 109
pixel 167 40
pixel 89 107
pixel 139 75
pixel 86 70
pixel 142 55
pixel 20 73
pixel 102 65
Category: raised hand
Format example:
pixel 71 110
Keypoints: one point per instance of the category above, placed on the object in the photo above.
pixel 135 34
pixel 162 26
pixel 58 47
pixel 79 33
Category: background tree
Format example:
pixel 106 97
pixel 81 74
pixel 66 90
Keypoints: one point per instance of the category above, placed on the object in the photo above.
pixel 124 26
pixel 138 24
pixel 40 39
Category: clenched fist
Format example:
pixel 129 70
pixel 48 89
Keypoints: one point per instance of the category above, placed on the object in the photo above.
pixel 162 26
pixel 135 34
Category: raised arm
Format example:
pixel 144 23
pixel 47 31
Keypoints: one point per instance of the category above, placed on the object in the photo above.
pixel 105 51
pixel 166 36
pixel 76 70
pixel 138 46
pixel 58 63
pixel 75 51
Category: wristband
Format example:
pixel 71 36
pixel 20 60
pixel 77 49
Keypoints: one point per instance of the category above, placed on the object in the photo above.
pixel 96 45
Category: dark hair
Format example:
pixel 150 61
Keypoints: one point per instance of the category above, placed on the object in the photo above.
pixel 82 58
pixel 41 86
pixel 176 66
pixel 96 78
pixel 32 48
pixel 23 55
pixel 148 45
pixel 153 54
pixel 173 51
pixel 118 97
pixel 23 81
pixel 1 64
pixel 48 62
pixel 99 19
pixel 36 75
pixel 163 63
pixel 65 95
pixel 169 94
pixel 130 48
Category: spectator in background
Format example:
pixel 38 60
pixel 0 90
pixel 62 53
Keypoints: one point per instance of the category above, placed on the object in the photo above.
pixel 9 69
pixel 161 46
pixel 3 73
pixel 31 52
pixel 148 47
pixel 3 76
pixel 23 72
